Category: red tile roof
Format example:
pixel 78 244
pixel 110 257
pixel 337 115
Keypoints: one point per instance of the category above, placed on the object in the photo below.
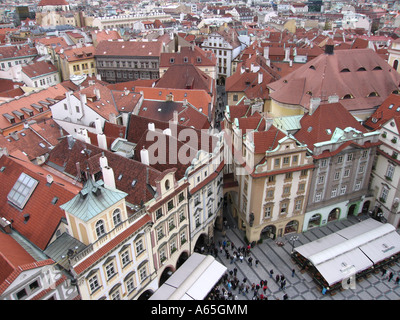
pixel 39 68
pixel 320 126
pixel 264 140
pixel 389 109
pixel 52 3
pixel 44 216
pixel 129 48
pixel 14 259
pixel 341 73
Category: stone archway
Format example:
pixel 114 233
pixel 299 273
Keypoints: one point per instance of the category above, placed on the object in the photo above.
pixel 292 226
pixel 352 210
pixel 168 271
pixel 146 295
pixel 182 258
pixel 269 232
pixel 366 206
pixel 201 243
pixel 315 221
pixel 334 214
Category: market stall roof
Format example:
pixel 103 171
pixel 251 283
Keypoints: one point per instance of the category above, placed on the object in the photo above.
pixel 351 250
pixel 193 280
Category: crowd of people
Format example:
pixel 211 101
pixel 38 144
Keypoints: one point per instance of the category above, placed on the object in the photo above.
pixel 230 286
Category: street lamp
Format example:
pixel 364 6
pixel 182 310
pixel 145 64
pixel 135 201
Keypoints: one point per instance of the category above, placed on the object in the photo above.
pixel 293 239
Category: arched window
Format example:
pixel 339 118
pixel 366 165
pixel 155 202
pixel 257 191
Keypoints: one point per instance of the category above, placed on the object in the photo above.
pixel 373 94
pixel 348 96
pixel 100 229
pixel 167 185
pixel 117 217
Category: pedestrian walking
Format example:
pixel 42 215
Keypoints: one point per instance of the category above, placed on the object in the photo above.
pixel 241 258
pixel 250 260
pixel 277 278
pixel 383 272
pixel 390 276
pixel 285 296
pixel 265 288
pixel 257 262
pixel 271 273
pixel 293 272
pixel 397 280
pixel 235 270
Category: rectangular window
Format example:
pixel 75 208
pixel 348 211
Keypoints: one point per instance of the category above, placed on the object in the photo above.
pixel 277 162
pixel 267 212
pixel 337 175
pixel 340 159
pixel 170 205
pixel 93 283
pixel 334 192
pixel 139 246
pixel 384 194
pixel 390 171
pixel 346 173
pixel 158 214
pixel 286 161
pixel 318 196
pixel 350 157
pixel 343 190
pixel 357 186
pixel 143 273
pixel 284 208
pixel 110 270
pixel 160 232
pixel 125 258
pixel 361 169
pixel 297 206
pixel 321 179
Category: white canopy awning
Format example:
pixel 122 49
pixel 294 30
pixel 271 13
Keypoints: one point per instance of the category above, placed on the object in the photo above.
pixel 193 280
pixel 351 250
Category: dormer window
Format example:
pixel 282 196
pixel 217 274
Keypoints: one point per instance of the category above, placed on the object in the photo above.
pixel 377 68
pixel 345 70
pixel 373 94
pixel 185 59
pixel 361 69
pixel 172 60
pixel 347 96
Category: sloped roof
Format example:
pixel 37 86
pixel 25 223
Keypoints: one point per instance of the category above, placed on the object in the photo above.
pixel 43 209
pixel 264 140
pixel 129 48
pixel 389 109
pixel 322 123
pixel 190 77
pixel 191 54
pixel 66 155
pixel 39 68
pixel 52 3
pixel 357 73
pixel 14 259
pixel 93 199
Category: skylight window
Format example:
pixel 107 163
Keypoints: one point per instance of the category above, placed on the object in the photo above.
pixel 22 190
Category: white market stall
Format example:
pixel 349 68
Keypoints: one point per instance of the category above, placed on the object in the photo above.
pixel 193 280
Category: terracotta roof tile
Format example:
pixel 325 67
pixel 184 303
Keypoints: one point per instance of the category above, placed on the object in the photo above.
pixel 44 216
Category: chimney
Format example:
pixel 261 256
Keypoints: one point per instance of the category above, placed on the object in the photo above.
pixel 5 225
pixel 242 69
pixel 49 179
pixel 314 103
pixel 102 141
pixel 175 117
pixel 97 93
pixel 83 99
pixel 333 99
pixel 266 53
pixel 98 127
pixel 151 126
pixel 287 54
pixel 108 177
pixel 260 77
pixel 144 156
pixel 103 161
pixel 170 97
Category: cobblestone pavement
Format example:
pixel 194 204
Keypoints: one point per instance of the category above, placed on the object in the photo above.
pixel 300 286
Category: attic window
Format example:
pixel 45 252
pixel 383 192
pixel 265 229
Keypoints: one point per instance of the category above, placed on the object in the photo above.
pixel 345 70
pixel 172 60
pixel 348 96
pixel 377 68
pixel 391 106
pixel 395 91
pixel 373 94
pixel 185 59
pixel 361 69
pixel 54 201
pixel 22 190
pixel 133 184
pixel 199 59
pixel 309 93
pixel 312 67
